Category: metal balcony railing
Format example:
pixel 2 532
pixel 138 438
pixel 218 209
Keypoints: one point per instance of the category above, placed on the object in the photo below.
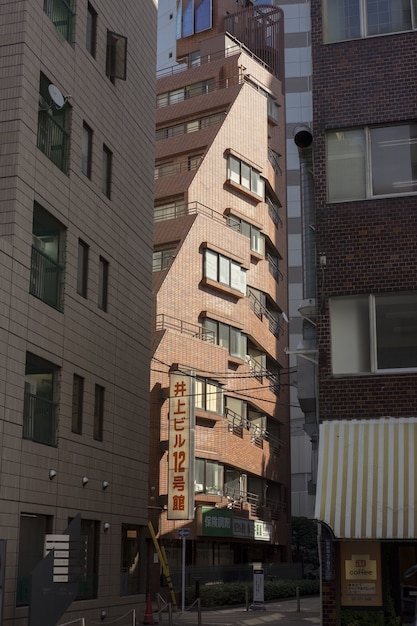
pixel 45 279
pixel 179 167
pixel 273 159
pixel 61 14
pixel 40 420
pixel 53 140
pixel 168 322
pixel 273 267
pixel 273 213
pixel 173 210
pixel 261 311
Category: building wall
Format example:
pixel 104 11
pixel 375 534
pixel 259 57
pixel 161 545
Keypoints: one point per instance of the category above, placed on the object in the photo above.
pixel 109 348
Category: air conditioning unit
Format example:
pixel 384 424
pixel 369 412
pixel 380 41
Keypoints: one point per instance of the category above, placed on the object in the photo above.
pixel 198 487
pixel 38 243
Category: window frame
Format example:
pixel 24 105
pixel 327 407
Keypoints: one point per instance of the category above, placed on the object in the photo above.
pixel 54 7
pixel 363 345
pixel 54 127
pixel 226 336
pixel 103 283
pixel 204 388
pixel 130 570
pixel 91 30
pixel 87 150
pixel 106 171
pixel 359 29
pixel 214 270
pixel 246 176
pixel 116 56
pixel 363 163
pixel 99 399
pixel 161 259
pixel 82 268
pixel 77 404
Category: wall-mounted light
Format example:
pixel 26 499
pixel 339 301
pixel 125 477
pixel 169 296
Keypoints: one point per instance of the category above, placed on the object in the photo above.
pixel 52 474
pixel 105 484
pixel 103 614
pixel 106 526
pixel 84 480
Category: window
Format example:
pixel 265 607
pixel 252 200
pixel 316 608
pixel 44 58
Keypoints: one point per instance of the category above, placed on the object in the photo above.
pixel 352 19
pixel 98 412
pixel 90 531
pixel 77 404
pixel 208 396
pixel 53 127
pixel 86 150
pixel 223 270
pixel 372 333
pixel 46 270
pixel 82 268
pixel 194 161
pixel 208 477
pixel 243 174
pixel 131 565
pixel 227 336
pixel 193 16
pixel 169 210
pixel 183 93
pixel 40 407
pixel 162 258
pixel 32 531
pixel 91 33
pixel 381 161
pixel 116 56
pixel 103 280
pixel 106 171
pixel 257 239
pixel 61 14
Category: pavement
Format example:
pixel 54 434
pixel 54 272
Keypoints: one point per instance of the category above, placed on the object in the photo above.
pixel 304 613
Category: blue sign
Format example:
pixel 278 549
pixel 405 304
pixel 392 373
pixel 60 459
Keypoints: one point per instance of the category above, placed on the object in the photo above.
pixel 184 532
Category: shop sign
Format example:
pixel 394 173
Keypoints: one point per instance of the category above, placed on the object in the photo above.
pixel 222 523
pixel 181 448
pixel 361 573
pixel 217 522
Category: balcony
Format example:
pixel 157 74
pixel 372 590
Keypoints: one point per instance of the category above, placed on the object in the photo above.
pixel 274 268
pixel 172 210
pixel 274 214
pixel 168 322
pixel 61 14
pixel 53 140
pixel 261 312
pixel 179 167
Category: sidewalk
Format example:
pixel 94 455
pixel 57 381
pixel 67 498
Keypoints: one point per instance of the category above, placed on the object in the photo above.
pixel 276 613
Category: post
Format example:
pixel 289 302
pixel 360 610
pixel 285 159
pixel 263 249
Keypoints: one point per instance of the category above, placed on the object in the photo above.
pixel 170 614
pixel 297 593
pixel 183 575
pixel 199 611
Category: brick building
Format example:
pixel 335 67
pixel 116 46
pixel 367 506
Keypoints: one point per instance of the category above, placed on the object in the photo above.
pixel 365 183
pixel 76 198
pixel 220 286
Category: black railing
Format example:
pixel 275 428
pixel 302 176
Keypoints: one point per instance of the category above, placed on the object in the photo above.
pixel 179 167
pixel 53 140
pixel 178 209
pixel 46 279
pixel 261 311
pixel 273 267
pixel 61 14
pixel 40 420
pixel 168 322
pixel 274 214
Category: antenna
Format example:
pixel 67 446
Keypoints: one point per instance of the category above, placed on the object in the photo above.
pixel 43 105
pixel 57 97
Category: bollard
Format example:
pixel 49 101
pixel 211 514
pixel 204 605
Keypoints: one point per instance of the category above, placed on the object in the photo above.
pixel 297 593
pixel 199 611
pixel 247 598
pixel 170 614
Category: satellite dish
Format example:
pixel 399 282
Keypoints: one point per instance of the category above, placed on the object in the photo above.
pixel 285 317
pixel 56 96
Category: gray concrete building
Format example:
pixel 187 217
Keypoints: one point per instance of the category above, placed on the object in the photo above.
pixel 76 205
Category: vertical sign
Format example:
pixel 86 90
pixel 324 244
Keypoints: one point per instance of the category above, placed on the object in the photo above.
pixel 361 573
pixel 181 447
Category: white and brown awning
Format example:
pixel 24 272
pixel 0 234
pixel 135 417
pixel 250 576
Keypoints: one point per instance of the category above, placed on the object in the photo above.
pixel 367 478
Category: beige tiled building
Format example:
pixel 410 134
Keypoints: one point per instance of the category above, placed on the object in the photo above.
pixel 220 286
pixel 76 192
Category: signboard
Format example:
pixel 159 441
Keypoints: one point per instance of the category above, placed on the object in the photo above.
pixel 222 523
pixel 184 532
pixel 181 447
pixel 361 573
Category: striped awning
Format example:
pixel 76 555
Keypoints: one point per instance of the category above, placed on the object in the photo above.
pixel 367 478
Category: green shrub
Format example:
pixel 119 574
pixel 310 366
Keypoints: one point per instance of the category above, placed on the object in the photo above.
pixel 221 594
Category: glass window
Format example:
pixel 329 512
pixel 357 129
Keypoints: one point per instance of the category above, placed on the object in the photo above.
pixel 40 408
pixel 380 161
pixel 234 169
pixel 116 56
pixel 352 19
pixel 91 33
pixel 130 560
pixel 227 336
pixel 225 271
pixel 208 396
pixel 82 268
pixel 106 171
pixel 77 404
pixel 243 174
pixel 86 150
pixel 32 531
pixel 208 477
pixel 373 333
pixel 103 281
pixel 162 259
pixel 98 412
